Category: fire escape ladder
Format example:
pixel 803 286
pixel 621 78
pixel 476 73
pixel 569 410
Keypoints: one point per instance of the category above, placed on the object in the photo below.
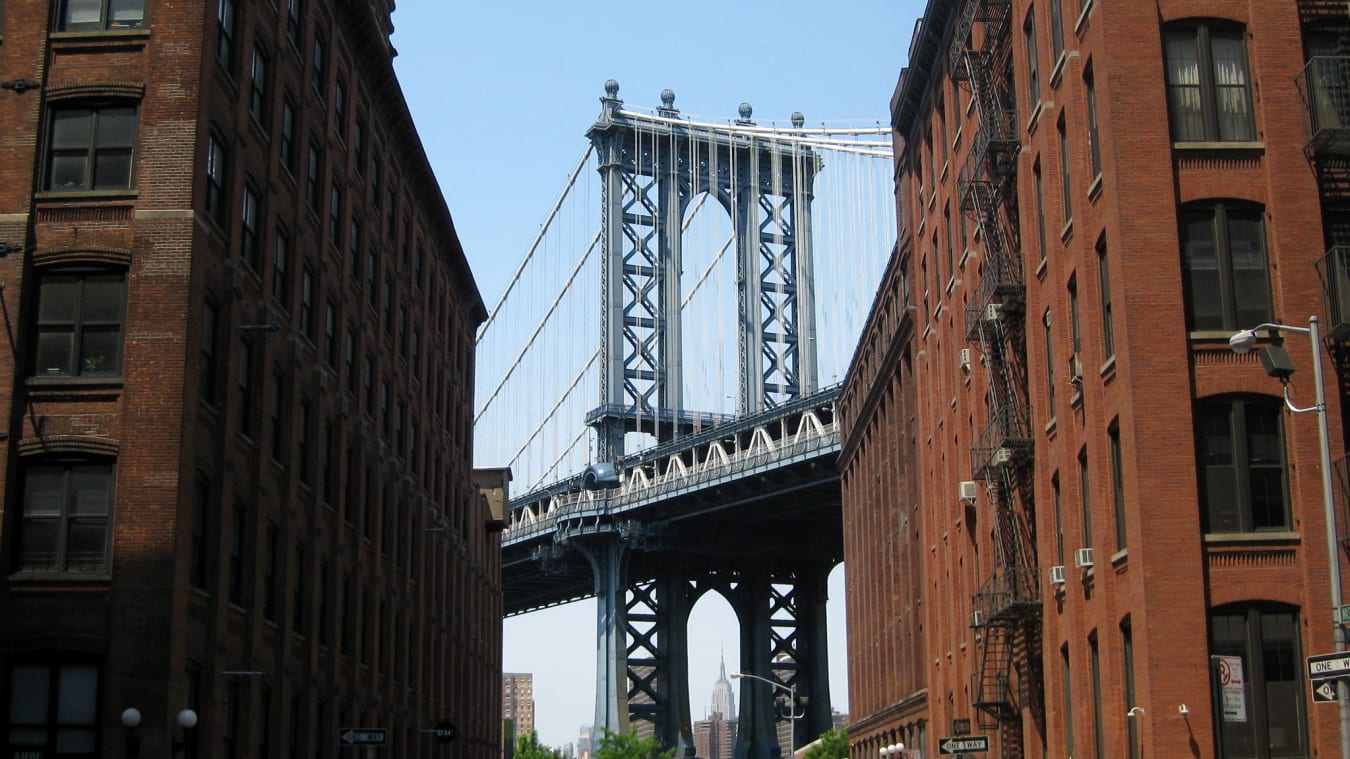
pixel 993 690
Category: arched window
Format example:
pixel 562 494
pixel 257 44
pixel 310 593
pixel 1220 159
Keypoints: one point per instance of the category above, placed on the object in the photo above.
pixel 80 318
pixel 1208 86
pixel 1256 664
pixel 1223 258
pixel 1240 455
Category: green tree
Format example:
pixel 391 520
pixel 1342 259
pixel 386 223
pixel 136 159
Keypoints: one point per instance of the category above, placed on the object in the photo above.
pixel 629 746
pixel 832 744
pixel 529 747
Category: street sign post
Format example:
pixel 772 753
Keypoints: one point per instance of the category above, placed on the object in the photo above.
pixel 1329 666
pixel 968 744
pixel 362 736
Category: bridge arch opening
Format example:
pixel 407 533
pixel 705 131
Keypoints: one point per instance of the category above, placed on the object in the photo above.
pixel 708 305
pixel 714 650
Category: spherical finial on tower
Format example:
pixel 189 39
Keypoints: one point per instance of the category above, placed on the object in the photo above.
pixel 798 120
pixel 746 111
pixel 611 88
pixel 667 98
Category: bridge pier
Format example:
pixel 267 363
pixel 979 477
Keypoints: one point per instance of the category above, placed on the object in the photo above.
pixel 607 555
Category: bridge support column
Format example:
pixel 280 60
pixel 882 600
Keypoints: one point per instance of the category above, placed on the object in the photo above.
pixel 607 556
pixel 755 737
pixel 811 592
pixel 658 659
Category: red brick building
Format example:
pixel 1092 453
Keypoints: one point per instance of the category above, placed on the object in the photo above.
pixel 1075 508
pixel 236 466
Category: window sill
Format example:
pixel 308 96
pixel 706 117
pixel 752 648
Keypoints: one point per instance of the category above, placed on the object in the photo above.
pixel 1066 232
pixel 1248 538
pixel 966 255
pixel 1041 268
pixel 1120 560
pixel 76 581
pixel 1243 147
pixel 86 196
pixel 1107 369
pixel 956 139
pixel 1035 116
pixel 1080 25
pixel 105 38
pixel 1095 189
pixel 1057 73
pixel 87 388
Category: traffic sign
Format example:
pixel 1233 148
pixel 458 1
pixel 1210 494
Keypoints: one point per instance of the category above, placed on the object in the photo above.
pixel 1342 615
pixel 1324 692
pixel 1329 666
pixel 969 744
pixel 361 736
pixel 444 731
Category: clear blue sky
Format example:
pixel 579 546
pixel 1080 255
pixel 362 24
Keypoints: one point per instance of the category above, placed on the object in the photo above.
pixel 502 94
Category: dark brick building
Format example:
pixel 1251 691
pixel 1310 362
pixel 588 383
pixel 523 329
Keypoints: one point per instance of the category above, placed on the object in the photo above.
pixel 237 446
pixel 1086 527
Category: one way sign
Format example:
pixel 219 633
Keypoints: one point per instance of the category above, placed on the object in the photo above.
pixel 1324 692
pixel 966 744
pixel 359 736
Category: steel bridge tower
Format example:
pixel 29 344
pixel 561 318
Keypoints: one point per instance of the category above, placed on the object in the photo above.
pixel 651 168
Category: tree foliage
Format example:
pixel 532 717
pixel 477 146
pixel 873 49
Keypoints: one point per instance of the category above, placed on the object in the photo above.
pixel 629 746
pixel 529 747
pixel 833 744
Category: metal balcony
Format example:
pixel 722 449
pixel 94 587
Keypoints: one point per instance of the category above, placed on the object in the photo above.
pixel 1008 596
pixel 1324 85
pixel 1334 269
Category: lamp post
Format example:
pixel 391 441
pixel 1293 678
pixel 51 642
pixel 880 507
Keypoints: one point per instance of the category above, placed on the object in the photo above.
pixel 1277 365
pixel 791 690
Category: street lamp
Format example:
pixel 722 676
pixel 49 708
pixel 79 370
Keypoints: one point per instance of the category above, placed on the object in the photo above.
pixel 791 690
pixel 1277 364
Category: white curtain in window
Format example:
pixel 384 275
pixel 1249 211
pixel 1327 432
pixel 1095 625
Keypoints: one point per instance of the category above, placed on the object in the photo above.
pixel 1183 87
pixel 1230 85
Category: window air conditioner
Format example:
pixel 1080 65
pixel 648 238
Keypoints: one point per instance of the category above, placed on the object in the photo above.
pixel 966 490
pixel 1003 455
pixel 1057 574
pixel 992 312
pixel 977 619
pixel 1075 369
pixel 1082 558
pixel 964 359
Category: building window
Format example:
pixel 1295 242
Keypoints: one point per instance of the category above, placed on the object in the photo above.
pixel 225 46
pixel 1040 209
pixel 217 159
pixel 208 361
pixel 349 356
pixel 277 413
pixel 322 620
pixel 1075 330
pixel 312 179
pixel 1059 519
pixel 293 22
pixel 79 324
pixel 1264 641
pixel 1104 290
pixel 304 465
pixel 1056 31
pixel 330 334
pixel 281 270
pixel 53 709
pixel 1085 495
pixel 1065 180
pixel 230 729
pixel 1094 138
pixel 318 78
pixel 1117 484
pixel 1223 251
pixel 235 567
pixel 96 15
pixel 1127 654
pixel 1242 466
pixel 257 96
pixel 307 304
pixel 198 564
pixel 359 145
pixel 368 384
pixel 91 148
pixel 330 464
pixel 1066 681
pixel 300 602
pixel 353 248
pixel 1049 366
pixel 244 389
pixel 248 227
pixel 269 572
pixel 1033 65
pixel 1208 91
pixel 340 108
pixel 264 722
pixel 288 136
pixel 335 215
pixel 66 510
pixel 1098 728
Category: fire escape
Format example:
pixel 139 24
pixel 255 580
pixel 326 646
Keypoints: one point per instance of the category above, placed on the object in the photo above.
pixel 1324 85
pixel 1007 606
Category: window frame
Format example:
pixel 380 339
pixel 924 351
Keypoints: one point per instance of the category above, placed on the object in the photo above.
pixel 1200 35
pixel 1258 620
pixel 80 328
pixel 92 151
pixel 1240 452
pixel 55 663
pixel 105 21
pixel 68 516
pixel 1222 216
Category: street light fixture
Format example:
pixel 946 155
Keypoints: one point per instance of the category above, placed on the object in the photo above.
pixel 791 690
pixel 1277 365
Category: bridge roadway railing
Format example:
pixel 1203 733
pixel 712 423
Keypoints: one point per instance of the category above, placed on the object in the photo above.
pixel 796 431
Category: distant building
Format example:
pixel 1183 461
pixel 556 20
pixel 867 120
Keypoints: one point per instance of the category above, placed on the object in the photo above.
pixel 584 742
pixel 518 701
pixel 723 697
pixel 715 737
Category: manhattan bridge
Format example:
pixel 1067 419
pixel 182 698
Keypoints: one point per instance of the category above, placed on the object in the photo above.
pixel 661 375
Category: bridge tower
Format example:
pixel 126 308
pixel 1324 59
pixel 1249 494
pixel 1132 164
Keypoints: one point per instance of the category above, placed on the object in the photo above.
pixel 651 168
